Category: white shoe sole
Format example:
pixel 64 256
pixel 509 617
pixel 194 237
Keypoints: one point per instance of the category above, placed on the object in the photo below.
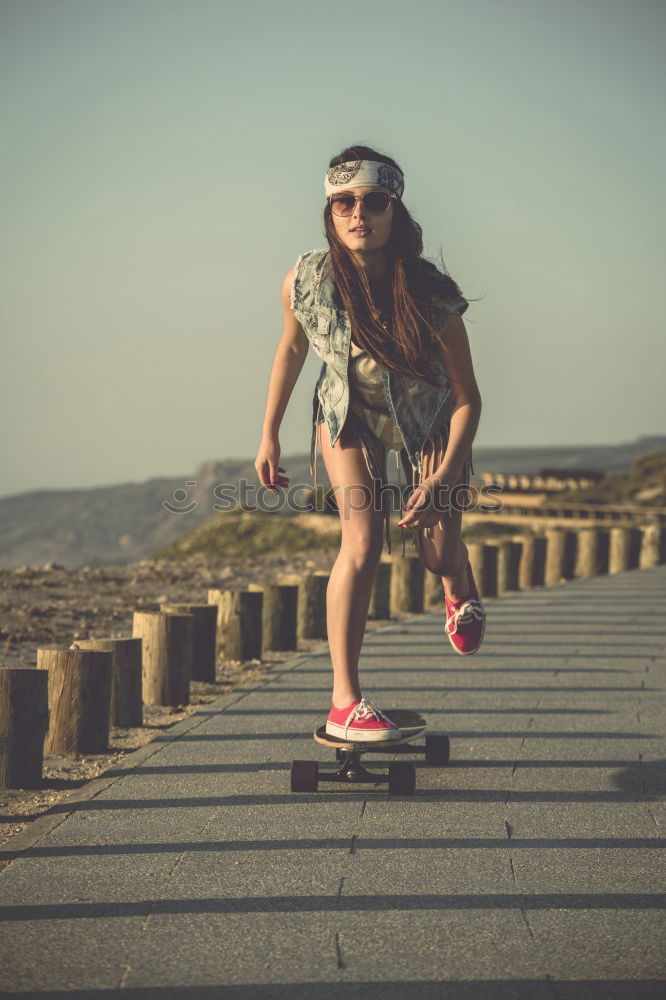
pixel 365 736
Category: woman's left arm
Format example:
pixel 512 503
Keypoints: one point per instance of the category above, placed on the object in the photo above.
pixel 453 350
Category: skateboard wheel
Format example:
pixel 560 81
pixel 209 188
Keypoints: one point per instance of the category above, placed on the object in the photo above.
pixel 340 755
pixel 402 779
pixel 304 775
pixel 437 749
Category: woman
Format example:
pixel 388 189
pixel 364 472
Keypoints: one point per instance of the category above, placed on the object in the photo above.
pixel 396 374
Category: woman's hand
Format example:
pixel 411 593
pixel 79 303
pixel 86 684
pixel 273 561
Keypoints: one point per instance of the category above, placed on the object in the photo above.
pixel 424 507
pixel 266 464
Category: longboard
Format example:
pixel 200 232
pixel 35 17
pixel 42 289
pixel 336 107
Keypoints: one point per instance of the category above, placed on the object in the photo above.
pixel 305 774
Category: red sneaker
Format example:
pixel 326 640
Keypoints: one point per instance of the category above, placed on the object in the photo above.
pixel 361 721
pixel 465 619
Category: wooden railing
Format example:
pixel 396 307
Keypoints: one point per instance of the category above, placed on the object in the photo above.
pixel 514 507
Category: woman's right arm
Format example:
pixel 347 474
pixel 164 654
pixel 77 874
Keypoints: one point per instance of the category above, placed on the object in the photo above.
pixel 288 361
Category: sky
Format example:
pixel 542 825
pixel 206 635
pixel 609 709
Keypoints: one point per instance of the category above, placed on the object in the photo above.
pixel 163 166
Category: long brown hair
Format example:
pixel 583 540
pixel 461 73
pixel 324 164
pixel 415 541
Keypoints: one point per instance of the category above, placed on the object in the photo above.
pixel 412 284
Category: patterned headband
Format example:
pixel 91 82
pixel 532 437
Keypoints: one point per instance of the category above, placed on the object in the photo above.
pixel 357 172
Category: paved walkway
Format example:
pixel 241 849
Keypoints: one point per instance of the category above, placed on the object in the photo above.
pixel 528 868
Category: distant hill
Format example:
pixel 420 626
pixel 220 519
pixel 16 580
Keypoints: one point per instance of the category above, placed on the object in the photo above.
pixel 128 522
pixel 643 483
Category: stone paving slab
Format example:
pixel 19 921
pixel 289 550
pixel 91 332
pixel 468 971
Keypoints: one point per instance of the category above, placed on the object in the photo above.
pixel 528 868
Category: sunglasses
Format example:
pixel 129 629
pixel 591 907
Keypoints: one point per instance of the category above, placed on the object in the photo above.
pixel 376 202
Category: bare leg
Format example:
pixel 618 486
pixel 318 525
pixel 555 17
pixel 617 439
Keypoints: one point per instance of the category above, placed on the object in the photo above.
pixel 440 555
pixel 354 571
pixel 446 554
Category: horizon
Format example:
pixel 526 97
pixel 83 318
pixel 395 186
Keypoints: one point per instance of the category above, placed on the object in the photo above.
pixel 304 457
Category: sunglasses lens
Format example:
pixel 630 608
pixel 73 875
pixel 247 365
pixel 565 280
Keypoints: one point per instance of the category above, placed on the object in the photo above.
pixel 342 204
pixel 375 202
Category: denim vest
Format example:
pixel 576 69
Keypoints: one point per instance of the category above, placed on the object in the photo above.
pixel 413 402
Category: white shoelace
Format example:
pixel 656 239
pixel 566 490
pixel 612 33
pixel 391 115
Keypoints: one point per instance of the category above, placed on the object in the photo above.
pixel 467 612
pixel 365 710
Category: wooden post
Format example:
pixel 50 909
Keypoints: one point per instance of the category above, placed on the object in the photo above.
pixel 239 623
pixel 508 563
pixel 214 596
pixel 570 550
pixel 312 605
pixel 483 560
pixel 279 617
pixel 380 603
pixel 532 562
pixel 624 550
pixel 652 545
pixel 24 721
pixel 591 552
pixel 555 553
pixel 433 590
pixel 79 699
pixel 204 636
pixel 561 547
pixel 126 710
pixel 166 656
pixel 407 583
